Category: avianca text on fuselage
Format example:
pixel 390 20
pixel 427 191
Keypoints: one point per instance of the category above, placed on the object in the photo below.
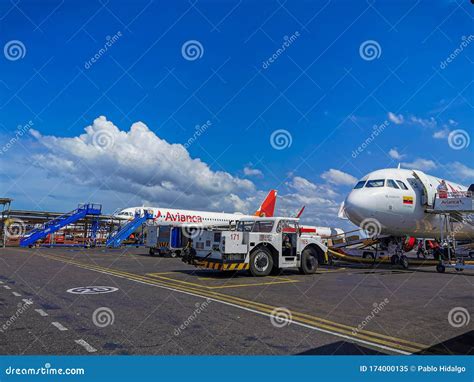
pixel 177 217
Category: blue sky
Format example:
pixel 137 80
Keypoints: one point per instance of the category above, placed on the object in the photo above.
pixel 322 88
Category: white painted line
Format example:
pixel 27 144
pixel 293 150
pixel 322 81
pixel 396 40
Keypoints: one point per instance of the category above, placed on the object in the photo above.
pixel 59 326
pixel 41 312
pixel 7 287
pixel 85 345
pixel 27 301
pixel 16 294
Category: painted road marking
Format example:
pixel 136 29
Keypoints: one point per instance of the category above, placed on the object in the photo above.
pixel 1 282
pixel 16 294
pixel 27 301
pixel 85 345
pixel 7 287
pixel 41 312
pixel 59 326
pixel 377 340
pixel 284 281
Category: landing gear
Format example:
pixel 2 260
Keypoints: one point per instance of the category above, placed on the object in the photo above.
pixel 404 261
pixel 401 260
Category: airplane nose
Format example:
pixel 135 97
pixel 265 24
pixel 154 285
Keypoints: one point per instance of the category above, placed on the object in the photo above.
pixel 358 206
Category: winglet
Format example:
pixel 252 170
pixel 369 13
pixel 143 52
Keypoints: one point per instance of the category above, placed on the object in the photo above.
pixel 267 208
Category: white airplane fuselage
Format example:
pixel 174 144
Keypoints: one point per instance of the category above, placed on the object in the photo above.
pixel 177 217
pixel 400 210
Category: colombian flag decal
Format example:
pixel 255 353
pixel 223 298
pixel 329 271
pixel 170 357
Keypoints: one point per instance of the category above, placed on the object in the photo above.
pixel 407 200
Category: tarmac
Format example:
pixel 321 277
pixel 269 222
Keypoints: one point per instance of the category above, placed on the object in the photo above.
pixel 122 301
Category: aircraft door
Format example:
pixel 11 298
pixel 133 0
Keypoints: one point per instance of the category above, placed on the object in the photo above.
pixel 428 191
pixel 289 241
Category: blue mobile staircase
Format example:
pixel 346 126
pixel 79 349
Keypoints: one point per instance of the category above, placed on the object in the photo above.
pixel 124 232
pixel 56 224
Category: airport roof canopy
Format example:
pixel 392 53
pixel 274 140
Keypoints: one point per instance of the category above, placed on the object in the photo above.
pixel 5 200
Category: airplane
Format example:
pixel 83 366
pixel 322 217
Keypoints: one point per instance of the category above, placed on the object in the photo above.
pixel 178 217
pixel 397 201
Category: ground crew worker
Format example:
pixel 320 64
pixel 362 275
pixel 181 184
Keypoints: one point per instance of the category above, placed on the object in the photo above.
pixel 442 189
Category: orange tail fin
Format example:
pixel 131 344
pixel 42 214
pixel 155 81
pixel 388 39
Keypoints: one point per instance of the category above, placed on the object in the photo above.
pixel 267 208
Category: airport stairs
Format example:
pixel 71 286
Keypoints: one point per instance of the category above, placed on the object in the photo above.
pixel 124 232
pixel 56 224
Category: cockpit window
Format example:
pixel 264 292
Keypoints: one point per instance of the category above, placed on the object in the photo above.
pixel 391 183
pixel 359 184
pixel 402 185
pixel 375 183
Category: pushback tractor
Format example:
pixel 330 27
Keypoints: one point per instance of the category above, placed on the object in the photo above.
pixel 259 245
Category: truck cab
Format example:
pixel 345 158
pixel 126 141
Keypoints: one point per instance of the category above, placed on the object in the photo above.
pixel 260 245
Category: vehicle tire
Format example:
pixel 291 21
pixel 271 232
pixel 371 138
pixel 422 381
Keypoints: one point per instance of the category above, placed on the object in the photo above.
pixel 471 255
pixel 173 254
pixel 152 252
pixel 394 259
pixel 404 261
pixel 368 255
pixel 261 262
pixel 440 268
pixel 309 261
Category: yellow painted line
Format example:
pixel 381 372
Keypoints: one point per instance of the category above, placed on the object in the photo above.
pixel 223 286
pixel 134 277
pixel 157 274
pixel 372 338
pixel 250 285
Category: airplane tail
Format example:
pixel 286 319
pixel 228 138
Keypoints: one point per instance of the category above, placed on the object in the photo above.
pixel 267 208
pixel 300 212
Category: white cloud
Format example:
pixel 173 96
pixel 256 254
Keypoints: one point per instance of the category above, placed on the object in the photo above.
pixel 249 171
pixel 430 122
pixel 461 170
pixel 396 119
pixel 395 154
pixel 139 163
pixel 420 164
pixel 338 177
pixel 441 134
pixel 137 166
